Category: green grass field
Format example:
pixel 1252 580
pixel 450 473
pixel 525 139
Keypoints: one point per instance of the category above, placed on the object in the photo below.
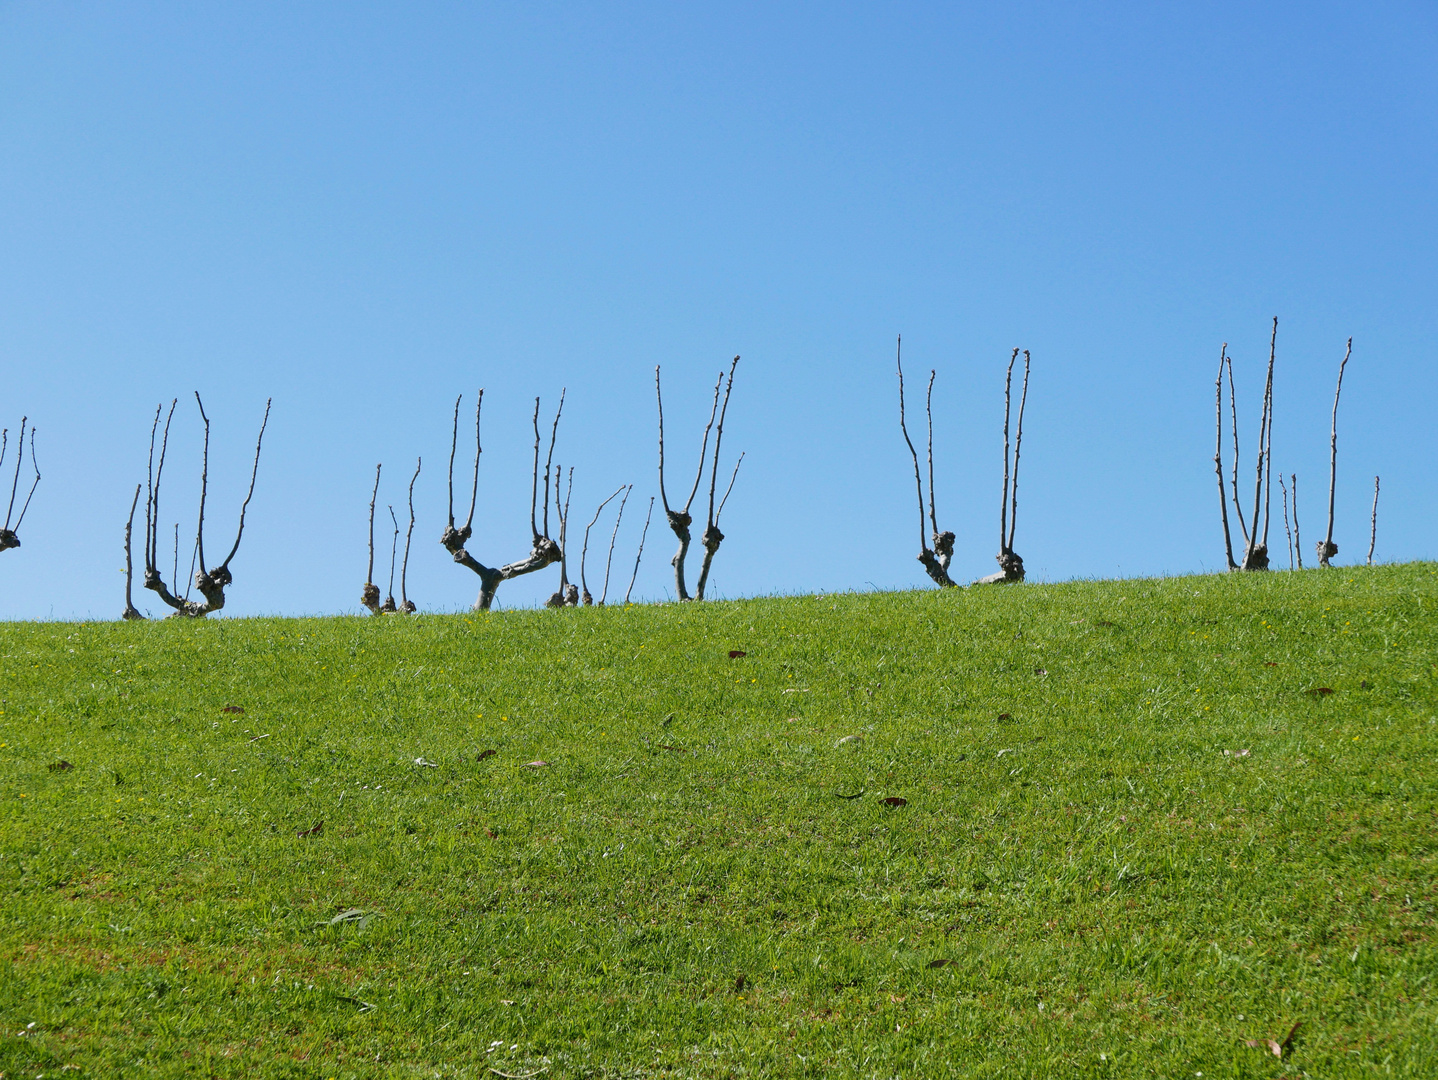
pixel 1143 823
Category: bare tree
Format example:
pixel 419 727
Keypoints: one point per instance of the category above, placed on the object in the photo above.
pixel 680 520
pixel 543 550
pixel 1011 565
pixel 1373 528
pixel 935 560
pixel 211 582
pixel 1326 547
pixel 1255 542
pixel 635 576
pixel 9 537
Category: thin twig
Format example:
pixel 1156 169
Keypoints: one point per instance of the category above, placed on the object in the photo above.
pixel 1328 550
pixel 1297 537
pixel 903 427
pixel 393 550
pixel 634 576
pixel 408 536
pixel 604 592
pixel 534 484
pixel 1373 531
pixel 154 494
pixel 659 397
pixel 453 447
pixel 19 459
pixel 175 567
pixel 254 471
pixel 1004 504
pixel 929 410
pixel 369 573
pixel 1268 440
pixel 130 610
pixel 704 446
pixel 730 488
pixel 204 485
pixel 1018 444
pixel 1288 532
pixel 36 483
pixel 478 450
pixel 1233 418
pixel 718 438
pixel 553 434
pixel 1218 456
pixel 584 551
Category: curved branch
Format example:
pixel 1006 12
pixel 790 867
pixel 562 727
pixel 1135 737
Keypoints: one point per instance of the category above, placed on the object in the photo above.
pixel 903 427
pixel 634 576
pixel 1018 444
pixel 704 446
pixel 1218 457
pixel 254 471
pixel 1328 548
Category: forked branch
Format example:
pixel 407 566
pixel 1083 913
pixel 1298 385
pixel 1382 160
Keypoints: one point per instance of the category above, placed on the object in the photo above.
pixel 936 560
pixel 9 532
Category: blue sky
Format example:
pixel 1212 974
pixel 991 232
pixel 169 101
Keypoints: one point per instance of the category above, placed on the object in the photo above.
pixel 365 210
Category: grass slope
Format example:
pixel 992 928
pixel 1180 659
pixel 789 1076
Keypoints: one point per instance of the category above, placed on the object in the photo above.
pixel 1136 835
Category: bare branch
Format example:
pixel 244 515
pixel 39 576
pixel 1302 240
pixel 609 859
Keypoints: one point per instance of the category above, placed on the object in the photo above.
pixel 659 396
pixel 405 604
pixel 389 604
pixel 1004 505
pixel 1297 537
pixel 1328 548
pixel 604 592
pixel 719 438
pixel 36 483
pixel 730 488
pixel 131 612
pixel 1218 457
pixel 1233 418
pixel 204 485
pixel 19 459
pixel 478 450
pixel 704 446
pixel 588 599
pixel 453 448
pixel 929 411
pixel 635 576
pixel 1286 530
pixel 903 427
pixel 373 496
pixel 254 471
pixel 1256 555
pixel 534 484
pixel 1018 444
pixel 1268 441
pixel 152 498
pixel 1373 531
pixel 553 434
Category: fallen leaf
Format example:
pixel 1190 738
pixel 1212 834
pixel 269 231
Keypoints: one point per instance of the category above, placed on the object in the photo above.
pixel 490 834
pixel 233 709
pixel 939 963
pixel 898 999
pixel 1288 1039
pixel 60 766
pixel 1321 691
pixel 316 829
pixel 737 654
pixel 1270 663
pixel 896 800
pixel 1005 716
pixel 535 765
pixel 486 754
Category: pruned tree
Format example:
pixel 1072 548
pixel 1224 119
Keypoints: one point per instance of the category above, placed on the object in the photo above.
pixel 9 532
pixel 1011 565
pixel 1373 527
pixel 1255 541
pixel 210 581
pixel 1326 547
pixel 935 560
pixel 681 520
pixel 543 550
pixel 635 576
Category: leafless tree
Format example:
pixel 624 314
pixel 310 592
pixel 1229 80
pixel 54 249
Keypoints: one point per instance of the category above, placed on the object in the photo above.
pixel 635 576
pixel 680 520
pixel 1373 528
pixel 935 560
pixel 1011 565
pixel 211 582
pixel 543 550
pixel 369 595
pixel 9 533
pixel 1326 547
pixel 1255 542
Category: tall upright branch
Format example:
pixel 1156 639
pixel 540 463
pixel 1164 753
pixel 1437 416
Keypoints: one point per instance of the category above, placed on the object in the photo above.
pixel 389 605
pixel 1018 446
pixel 1255 557
pixel 254 472
pixel 904 429
pixel 534 484
pixel 1286 530
pixel 1218 457
pixel 1297 536
pixel 406 605
pixel 1373 528
pixel 369 595
pixel 9 534
pixel 604 592
pixel 204 485
pixel 567 595
pixel 553 434
pixel 1233 416
pixel 131 612
pixel 935 561
pixel 712 537
pixel 1011 566
pixel 635 576
pixel 1327 549
pixel 584 551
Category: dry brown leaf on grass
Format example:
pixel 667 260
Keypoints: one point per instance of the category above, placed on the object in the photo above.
pixel 535 765
pixel 233 709
pixel 1273 1046
pixel 486 754
pixel 737 654
pixel 60 766
pixel 317 829
pixel 896 800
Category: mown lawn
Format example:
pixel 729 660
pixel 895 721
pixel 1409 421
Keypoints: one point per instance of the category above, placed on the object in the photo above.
pixel 1143 822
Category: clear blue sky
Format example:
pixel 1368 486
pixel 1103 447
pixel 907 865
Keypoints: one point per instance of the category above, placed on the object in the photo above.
pixel 364 210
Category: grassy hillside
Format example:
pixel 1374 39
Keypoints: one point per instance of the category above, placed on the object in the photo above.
pixel 1142 822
